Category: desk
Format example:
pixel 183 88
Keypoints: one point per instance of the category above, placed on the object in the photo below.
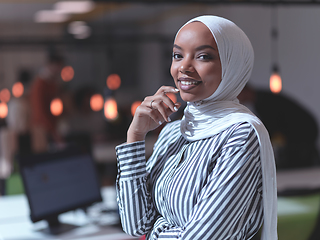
pixel 15 223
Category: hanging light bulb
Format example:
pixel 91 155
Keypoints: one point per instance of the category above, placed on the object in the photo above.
pixel 96 102
pixel 110 109
pixel 56 107
pixel 275 81
pixel 5 95
pixel 17 89
pixel 113 81
pixel 3 110
pixel 67 73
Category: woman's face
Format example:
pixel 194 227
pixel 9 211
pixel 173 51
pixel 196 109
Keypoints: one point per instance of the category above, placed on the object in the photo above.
pixel 196 66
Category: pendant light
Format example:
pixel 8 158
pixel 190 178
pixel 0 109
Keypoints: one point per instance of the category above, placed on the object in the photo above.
pixel 275 82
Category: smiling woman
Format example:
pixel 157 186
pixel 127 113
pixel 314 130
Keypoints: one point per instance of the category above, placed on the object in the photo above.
pixel 196 66
pixel 212 173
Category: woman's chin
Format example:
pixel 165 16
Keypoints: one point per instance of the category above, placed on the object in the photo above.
pixel 187 97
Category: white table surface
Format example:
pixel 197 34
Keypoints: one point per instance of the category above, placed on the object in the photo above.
pixel 15 223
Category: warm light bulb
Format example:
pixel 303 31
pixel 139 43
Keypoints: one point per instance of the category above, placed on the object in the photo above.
pixel 56 107
pixel 134 106
pixel 50 16
pixel 5 95
pixel 74 7
pixel 96 102
pixel 110 109
pixel 3 110
pixel 113 81
pixel 17 89
pixel 275 83
pixel 67 73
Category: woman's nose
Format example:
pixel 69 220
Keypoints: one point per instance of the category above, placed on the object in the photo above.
pixel 186 66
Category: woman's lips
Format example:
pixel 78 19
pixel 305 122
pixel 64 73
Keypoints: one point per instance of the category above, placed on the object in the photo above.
pixel 187 84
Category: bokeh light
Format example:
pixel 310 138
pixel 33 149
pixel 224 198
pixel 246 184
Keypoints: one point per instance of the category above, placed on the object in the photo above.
pixel 56 107
pixel 110 109
pixel 67 73
pixel 3 110
pixel 17 89
pixel 96 102
pixel 5 95
pixel 275 83
pixel 134 106
pixel 113 81
pixel 172 96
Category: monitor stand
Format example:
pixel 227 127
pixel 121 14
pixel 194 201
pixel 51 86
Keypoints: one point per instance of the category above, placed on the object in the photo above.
pixel 55 227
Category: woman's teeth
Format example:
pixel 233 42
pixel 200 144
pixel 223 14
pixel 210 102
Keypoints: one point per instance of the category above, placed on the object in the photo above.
pixel 189 82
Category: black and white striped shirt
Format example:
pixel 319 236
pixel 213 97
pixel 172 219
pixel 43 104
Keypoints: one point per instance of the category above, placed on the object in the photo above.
pixel 206 189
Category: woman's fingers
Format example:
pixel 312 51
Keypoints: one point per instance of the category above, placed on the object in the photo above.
pixel 159 106
pixel 152 112
pixel 161 102
pixel 163 106
pixel 162 93
pixel 167 89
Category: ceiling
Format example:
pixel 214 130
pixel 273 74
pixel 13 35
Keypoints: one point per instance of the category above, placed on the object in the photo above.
pixel 19 15
pixel 24 10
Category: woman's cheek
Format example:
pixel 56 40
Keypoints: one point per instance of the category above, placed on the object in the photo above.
pixel 172 71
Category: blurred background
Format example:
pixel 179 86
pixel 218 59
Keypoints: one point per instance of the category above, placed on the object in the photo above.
pixel 73 72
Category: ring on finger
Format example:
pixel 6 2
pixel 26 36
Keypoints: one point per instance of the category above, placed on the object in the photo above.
pixel 151 104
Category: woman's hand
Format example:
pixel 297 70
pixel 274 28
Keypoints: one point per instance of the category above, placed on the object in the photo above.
pixel 152 112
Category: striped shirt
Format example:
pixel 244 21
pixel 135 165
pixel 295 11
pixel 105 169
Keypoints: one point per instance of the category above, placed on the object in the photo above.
pixel 205 189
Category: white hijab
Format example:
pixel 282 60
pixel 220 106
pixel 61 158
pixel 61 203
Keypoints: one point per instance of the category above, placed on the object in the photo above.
pixel 205 118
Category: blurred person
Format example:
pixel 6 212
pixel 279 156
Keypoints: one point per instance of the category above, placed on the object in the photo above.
pixel 212 174
pixel 15 135
pixel 44 89
pixel 293 129
pixel 7 149
pixel 18 118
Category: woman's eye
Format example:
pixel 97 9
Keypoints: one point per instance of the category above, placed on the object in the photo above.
pixel 205 57
pixel 176 55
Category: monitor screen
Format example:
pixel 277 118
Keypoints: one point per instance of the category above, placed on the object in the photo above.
pixel 59 182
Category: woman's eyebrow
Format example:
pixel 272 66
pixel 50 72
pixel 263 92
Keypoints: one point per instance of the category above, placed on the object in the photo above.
pixel 176 46
pixel 197 48
pixel 204 47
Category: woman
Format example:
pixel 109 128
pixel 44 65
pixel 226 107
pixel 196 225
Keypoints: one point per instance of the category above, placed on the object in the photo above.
pixel 212 174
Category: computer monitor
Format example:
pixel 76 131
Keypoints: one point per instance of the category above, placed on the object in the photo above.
pixel 58 182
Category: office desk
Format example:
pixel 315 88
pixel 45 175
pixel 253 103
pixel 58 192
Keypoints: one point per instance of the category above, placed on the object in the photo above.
pixel 15 223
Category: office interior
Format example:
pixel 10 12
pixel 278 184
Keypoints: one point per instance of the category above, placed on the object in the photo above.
pixel 114 53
